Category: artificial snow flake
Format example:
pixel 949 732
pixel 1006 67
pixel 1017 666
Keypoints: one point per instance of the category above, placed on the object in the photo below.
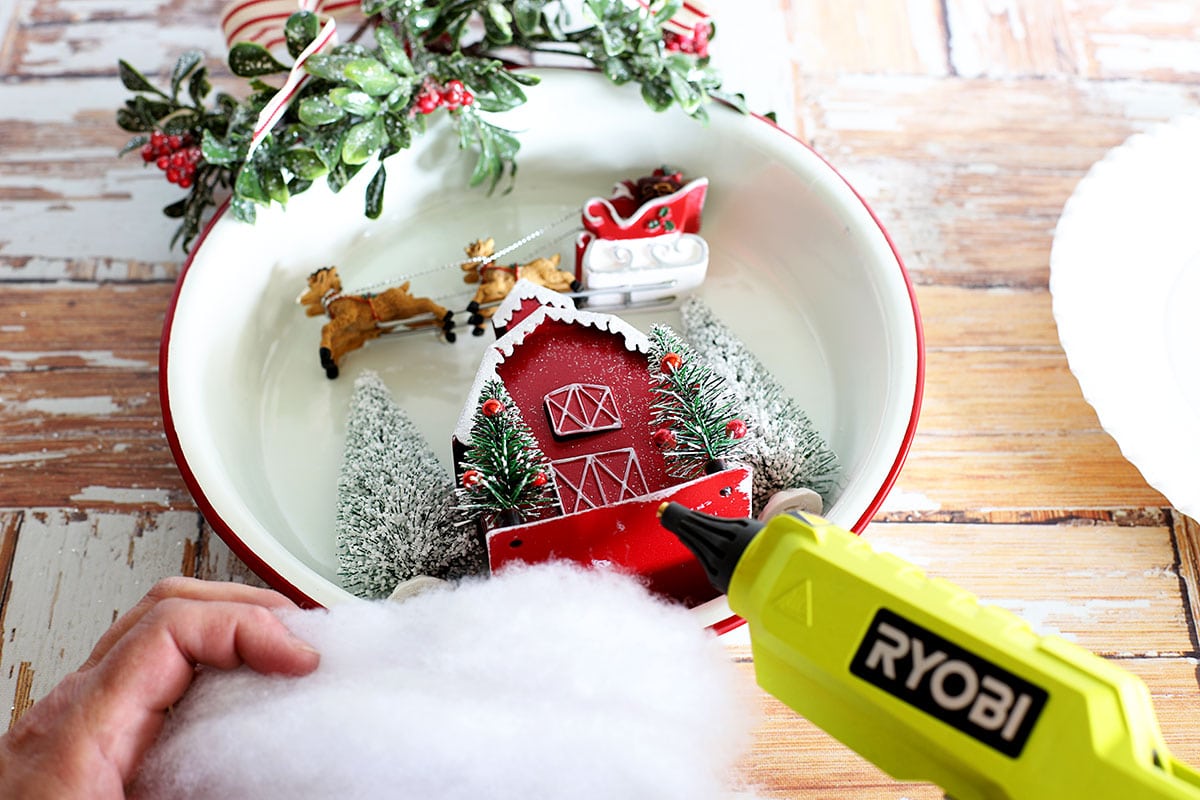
pixel 786 451
pixel 395 502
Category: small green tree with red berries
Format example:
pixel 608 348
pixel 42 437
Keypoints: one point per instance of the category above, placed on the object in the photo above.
pixel 696 422
pixel 506 476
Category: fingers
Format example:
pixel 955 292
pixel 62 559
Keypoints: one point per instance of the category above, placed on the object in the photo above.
pixel 148 670
pixel 189 589
pixel 154 662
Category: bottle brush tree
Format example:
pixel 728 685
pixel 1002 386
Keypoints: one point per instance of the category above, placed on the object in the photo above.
pixel 787 451
pixel 395 502
pixel 696 421
pixel 506 476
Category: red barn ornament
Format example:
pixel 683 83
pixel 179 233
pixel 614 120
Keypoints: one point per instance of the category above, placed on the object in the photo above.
pixel 582 383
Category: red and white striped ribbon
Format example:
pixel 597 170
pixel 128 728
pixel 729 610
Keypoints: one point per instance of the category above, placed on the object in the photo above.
pixel 262 21
pixel 274 110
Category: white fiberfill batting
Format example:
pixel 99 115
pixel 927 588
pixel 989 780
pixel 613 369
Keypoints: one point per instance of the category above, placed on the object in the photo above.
pixel 542 682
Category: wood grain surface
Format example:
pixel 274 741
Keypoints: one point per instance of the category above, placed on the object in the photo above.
pixel 966 126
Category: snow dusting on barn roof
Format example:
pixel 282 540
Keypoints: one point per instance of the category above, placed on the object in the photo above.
pixel 554 306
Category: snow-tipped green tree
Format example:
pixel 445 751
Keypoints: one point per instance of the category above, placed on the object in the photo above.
pixel 788 451
pixel 505 475
pixel 695 420
pixel 395 502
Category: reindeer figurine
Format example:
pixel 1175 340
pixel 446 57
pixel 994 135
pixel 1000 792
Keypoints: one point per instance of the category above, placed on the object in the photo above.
pixel 496 281
pixel 355 319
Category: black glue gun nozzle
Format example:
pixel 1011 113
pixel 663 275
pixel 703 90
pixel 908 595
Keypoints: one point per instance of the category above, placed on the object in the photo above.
pixel 717 542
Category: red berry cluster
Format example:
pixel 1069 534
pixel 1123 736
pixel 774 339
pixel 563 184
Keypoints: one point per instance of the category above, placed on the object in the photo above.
pixel 696 44
pixel 175 155
pixel 453 95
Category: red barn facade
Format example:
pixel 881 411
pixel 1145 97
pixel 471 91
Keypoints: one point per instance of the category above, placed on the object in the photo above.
pixel 581 382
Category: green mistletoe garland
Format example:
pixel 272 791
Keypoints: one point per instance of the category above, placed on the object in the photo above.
pixel 362 104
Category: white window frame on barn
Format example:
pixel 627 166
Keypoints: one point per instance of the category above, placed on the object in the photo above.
pixel 581 408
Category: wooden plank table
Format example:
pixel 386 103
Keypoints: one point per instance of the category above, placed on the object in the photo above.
pixel 966 126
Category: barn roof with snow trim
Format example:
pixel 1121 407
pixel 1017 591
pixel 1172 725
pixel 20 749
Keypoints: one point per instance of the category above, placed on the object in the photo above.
pixel 551 306
pixel 521 296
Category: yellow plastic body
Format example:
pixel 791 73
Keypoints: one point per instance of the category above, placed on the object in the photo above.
pixel 812 594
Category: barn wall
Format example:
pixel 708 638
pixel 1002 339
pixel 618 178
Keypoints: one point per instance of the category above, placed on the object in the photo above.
pixel 558 353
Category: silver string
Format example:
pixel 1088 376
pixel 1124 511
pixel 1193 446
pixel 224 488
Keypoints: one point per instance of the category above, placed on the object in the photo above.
pixel 524 240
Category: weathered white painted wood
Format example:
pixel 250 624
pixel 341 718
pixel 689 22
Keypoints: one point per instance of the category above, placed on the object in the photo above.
pixel 792 759
pixel 973 198
pixel 216 562
pixel 1114 590
pixel 88 36
pixel 74 573
pixel 855 36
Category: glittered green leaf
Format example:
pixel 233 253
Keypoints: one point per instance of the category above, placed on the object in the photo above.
pixel 657 95
pixel 354 101
pixel 305 164
pixel 497 23
pixel 526 14
pixel 249 185
pixel 300 30
pixel 340 175
pixel 738 101
pixel 275 185
pixel 374 78
pixel 686 94
pixel 132 122
pixel 216 151
pixel 199 86
pixel 248 60
pixel 319 110
pixel 668 9
pixel 524 78
pixel 329 67
pixel 487 165
pixel 617 70
pixel 505 90
pixel 183 67
pixel 374 199
pixel 363 141
pixel 134 80
pixel 327 144
pixel 421 21
pixel 398 130
pixel 181 123
pixel 392 51
pixel 243 209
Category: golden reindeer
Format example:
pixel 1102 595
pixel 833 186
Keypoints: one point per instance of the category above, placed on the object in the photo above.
pixel 496 280
pixel 355 319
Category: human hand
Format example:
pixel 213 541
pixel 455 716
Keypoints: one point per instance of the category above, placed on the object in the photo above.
pixel 87 737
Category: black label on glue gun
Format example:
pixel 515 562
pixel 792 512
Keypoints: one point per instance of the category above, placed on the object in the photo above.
pixel 958 687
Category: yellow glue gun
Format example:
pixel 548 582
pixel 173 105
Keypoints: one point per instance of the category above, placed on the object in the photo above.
pixel 919 678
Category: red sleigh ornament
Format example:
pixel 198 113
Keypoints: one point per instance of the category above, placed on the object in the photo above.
pixel 644 234
pixel 658 204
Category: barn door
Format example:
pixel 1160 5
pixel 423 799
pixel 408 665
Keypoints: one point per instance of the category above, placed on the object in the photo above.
pixel 598 479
